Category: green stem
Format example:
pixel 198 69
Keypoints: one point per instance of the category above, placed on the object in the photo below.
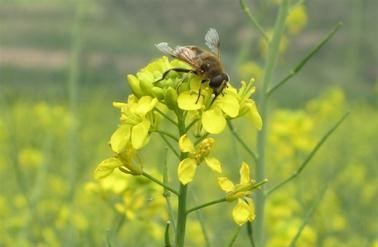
pixel 162 132
pixel 273 53
pixel 167 241
pixel 234 237
pixel 190 125
pixel 170 145
pixel 181 213
pixel 240 140
pixel 108 241
pixel 253 20
pixel 166 193
pixel 309 157
pixel 181 218
pixel 206 205
pixel 160 183
pixel 250 234
pixel 201 138
pixel 299 66
pixel 73 81
pixel 166 116
pixel 308 216
pixel 201 221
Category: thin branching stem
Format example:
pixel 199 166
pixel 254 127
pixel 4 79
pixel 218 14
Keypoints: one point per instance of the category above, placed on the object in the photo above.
pixel 234 236
pixel 182 199
pixel 250 234
pixel 253 20
pixel 170 146
pixel 240 140
pixel 107 239
pixel 206 205
pixel 155 180
pixel 166 116
pixel 167 241
pixel 201 138
pixel 162 132
pixel 309 157
pixel 166 193
pixel 308 216
pixel 300 65
pixel 201 222
pixel 190 125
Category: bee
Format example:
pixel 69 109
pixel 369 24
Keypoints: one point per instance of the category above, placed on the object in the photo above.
pixel 206 64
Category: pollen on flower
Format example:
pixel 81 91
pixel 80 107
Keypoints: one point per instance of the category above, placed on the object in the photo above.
pixel 204 148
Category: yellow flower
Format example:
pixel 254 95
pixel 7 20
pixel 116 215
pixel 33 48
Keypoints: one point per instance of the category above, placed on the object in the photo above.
pixel 244 210
pixel 247 105
pixel 136 121
pixel 126 161
pixel 232 104
pixel 297 19
pixel 214 119
pixel 187 167
pixel 144 82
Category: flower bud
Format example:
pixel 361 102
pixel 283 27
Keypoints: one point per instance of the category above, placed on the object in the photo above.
pixel 171 98
pixel 146 86
pixel 158 92
pixel 134 85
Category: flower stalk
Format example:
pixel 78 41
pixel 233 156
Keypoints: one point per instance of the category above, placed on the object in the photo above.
pixel 181 214
pixel 273 53
pixel 195 117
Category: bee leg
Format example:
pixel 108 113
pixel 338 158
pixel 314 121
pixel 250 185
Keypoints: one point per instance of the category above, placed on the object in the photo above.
pixel 216 95
pixel 199 91
pixel 199 94
pixel 180 70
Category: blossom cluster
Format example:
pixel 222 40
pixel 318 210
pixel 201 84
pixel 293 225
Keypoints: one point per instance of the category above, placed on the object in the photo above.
pixel 188 103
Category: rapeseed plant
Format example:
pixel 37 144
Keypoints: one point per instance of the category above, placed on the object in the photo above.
pixel 193 117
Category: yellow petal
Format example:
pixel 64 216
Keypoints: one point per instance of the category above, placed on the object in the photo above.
pixel 186 144
pixel 195 83
pixel 229 105
pixel 119 105
pixel 146 104
pixel 214 164
pixel 139 134
pixel 106 167
pixel 120 138
pixel 186 170
pixel 213 121
pixel 244 174
pixel 187 101
pixel 241 212
pixel 254 115
pixel 251 206
pixel 226 184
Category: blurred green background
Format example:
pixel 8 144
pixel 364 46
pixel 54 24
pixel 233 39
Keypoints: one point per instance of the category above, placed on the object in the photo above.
pixel 62 63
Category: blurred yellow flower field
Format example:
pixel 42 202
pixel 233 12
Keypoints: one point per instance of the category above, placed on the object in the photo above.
pixel 100 146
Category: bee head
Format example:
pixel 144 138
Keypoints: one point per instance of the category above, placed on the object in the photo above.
pixel 219 80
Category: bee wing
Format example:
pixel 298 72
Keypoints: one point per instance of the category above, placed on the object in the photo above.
pixel 183 53
pixel 212 40
pixel 186 54
pixel 165 48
